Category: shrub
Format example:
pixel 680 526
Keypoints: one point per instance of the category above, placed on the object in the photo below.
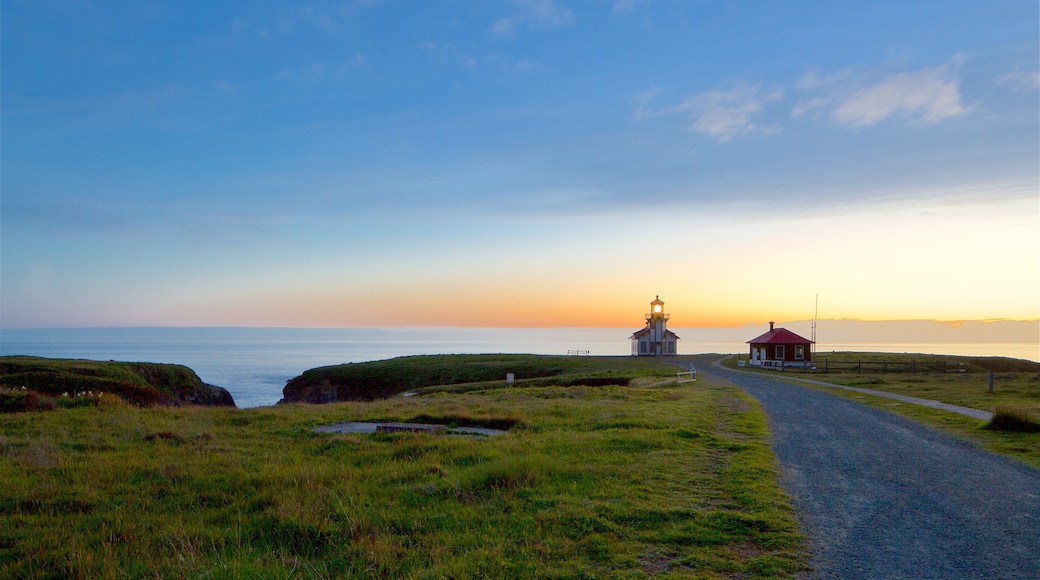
pixel 79 400
pixel 164 436
pixel 110 400
pixel 1015 419
pixel 19 400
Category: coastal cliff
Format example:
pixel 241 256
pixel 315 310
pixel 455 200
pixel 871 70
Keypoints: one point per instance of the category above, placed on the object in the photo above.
pixel 369 381
pixel 138 383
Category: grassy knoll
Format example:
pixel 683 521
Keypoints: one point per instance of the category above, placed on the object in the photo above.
pixel 34 383
pixel 612 481
pixel 1016 384
pixel 459 373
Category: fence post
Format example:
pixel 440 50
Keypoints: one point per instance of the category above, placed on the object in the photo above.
pixel 990 382
pixel 859 366
pixel 913 366
pixel 944 366
pixel 826 365
pixel 884 366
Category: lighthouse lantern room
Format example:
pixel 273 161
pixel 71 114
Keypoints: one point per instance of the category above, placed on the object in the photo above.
pixel 654 339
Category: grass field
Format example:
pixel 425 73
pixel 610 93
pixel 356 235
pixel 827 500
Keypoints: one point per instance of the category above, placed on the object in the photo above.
pixel 460 373
pixel 1016 384
pixel 650 479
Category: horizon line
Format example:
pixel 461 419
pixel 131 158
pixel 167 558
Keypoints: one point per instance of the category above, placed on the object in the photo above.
pixel 953 323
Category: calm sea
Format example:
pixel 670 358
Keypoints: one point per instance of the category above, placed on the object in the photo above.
pixel 255 363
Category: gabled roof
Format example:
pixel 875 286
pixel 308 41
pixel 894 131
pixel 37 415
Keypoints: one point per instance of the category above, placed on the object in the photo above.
pixel 779 336
pixel 639 333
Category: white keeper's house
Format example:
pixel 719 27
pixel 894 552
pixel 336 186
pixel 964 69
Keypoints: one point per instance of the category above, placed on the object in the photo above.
pixel 655 339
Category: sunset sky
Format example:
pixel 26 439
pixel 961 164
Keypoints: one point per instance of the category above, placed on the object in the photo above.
pixel 517 163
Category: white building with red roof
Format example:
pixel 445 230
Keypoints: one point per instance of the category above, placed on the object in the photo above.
pixel 780 348
pixel 655 339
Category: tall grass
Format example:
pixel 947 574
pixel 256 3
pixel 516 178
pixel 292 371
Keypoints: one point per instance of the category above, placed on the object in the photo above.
pixel 1013 419
pixel 607 482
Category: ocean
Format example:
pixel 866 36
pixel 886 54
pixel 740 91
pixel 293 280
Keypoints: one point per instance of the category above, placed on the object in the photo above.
pixel 255 363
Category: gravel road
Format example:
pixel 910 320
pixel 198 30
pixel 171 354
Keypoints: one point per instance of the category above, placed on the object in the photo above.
pixel 883 497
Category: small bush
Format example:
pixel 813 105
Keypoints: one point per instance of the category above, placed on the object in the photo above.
pixel 84 400
pixel 164 436
pixel 110 400
pixel 20 400
pixel 1014 419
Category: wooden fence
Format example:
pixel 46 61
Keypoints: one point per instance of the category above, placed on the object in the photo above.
pixel 886 366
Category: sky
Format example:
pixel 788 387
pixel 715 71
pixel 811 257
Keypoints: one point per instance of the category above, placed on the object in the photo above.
pixel 528 163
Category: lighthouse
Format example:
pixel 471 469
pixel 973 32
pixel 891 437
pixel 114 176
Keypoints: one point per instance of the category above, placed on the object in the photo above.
pixel 654 339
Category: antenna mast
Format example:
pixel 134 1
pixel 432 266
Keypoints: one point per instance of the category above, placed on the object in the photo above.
pixel 815 314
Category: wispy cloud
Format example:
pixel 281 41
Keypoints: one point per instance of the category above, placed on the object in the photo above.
pixel 928 95
pixel 721 114
pixel 327 17
pixel 626 6
pixel 1021 81
pixel 542 13
pixel 320 71
pixel 312 72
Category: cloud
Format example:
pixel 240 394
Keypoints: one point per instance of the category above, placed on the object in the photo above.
pixel 626 6
pixel 721 114
pixel 320 71
pixel 328 17
pixel 527 66
pixel 928 95
pixel 225 87
pixel 315 71
pixel 68 217
pixel 143 222
pixel 541 13
pixel 1021 81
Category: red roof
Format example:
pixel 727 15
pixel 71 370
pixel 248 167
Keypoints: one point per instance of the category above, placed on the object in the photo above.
pixel 779 336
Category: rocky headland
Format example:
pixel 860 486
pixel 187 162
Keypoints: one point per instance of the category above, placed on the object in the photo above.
pixel 33 381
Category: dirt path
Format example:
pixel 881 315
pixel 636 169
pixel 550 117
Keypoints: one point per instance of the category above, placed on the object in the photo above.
pixel 883 497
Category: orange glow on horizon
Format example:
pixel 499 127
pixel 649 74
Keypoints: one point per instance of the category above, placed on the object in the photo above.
pixel 445 309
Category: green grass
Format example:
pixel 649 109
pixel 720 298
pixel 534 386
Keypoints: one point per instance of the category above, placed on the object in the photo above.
pixel 1018 389
pixel 930 362
pixel 613 481
pixel 460 373
pixel 35 383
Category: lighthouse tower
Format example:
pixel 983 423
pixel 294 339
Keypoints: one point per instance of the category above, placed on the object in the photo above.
pixel 654 339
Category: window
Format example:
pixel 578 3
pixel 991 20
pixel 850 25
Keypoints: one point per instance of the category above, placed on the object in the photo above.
pixel 642 347
pixel 671 348
pixel 799 352
pixel 780 352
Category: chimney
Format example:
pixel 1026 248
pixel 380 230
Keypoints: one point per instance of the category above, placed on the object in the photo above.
pixel 770 326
